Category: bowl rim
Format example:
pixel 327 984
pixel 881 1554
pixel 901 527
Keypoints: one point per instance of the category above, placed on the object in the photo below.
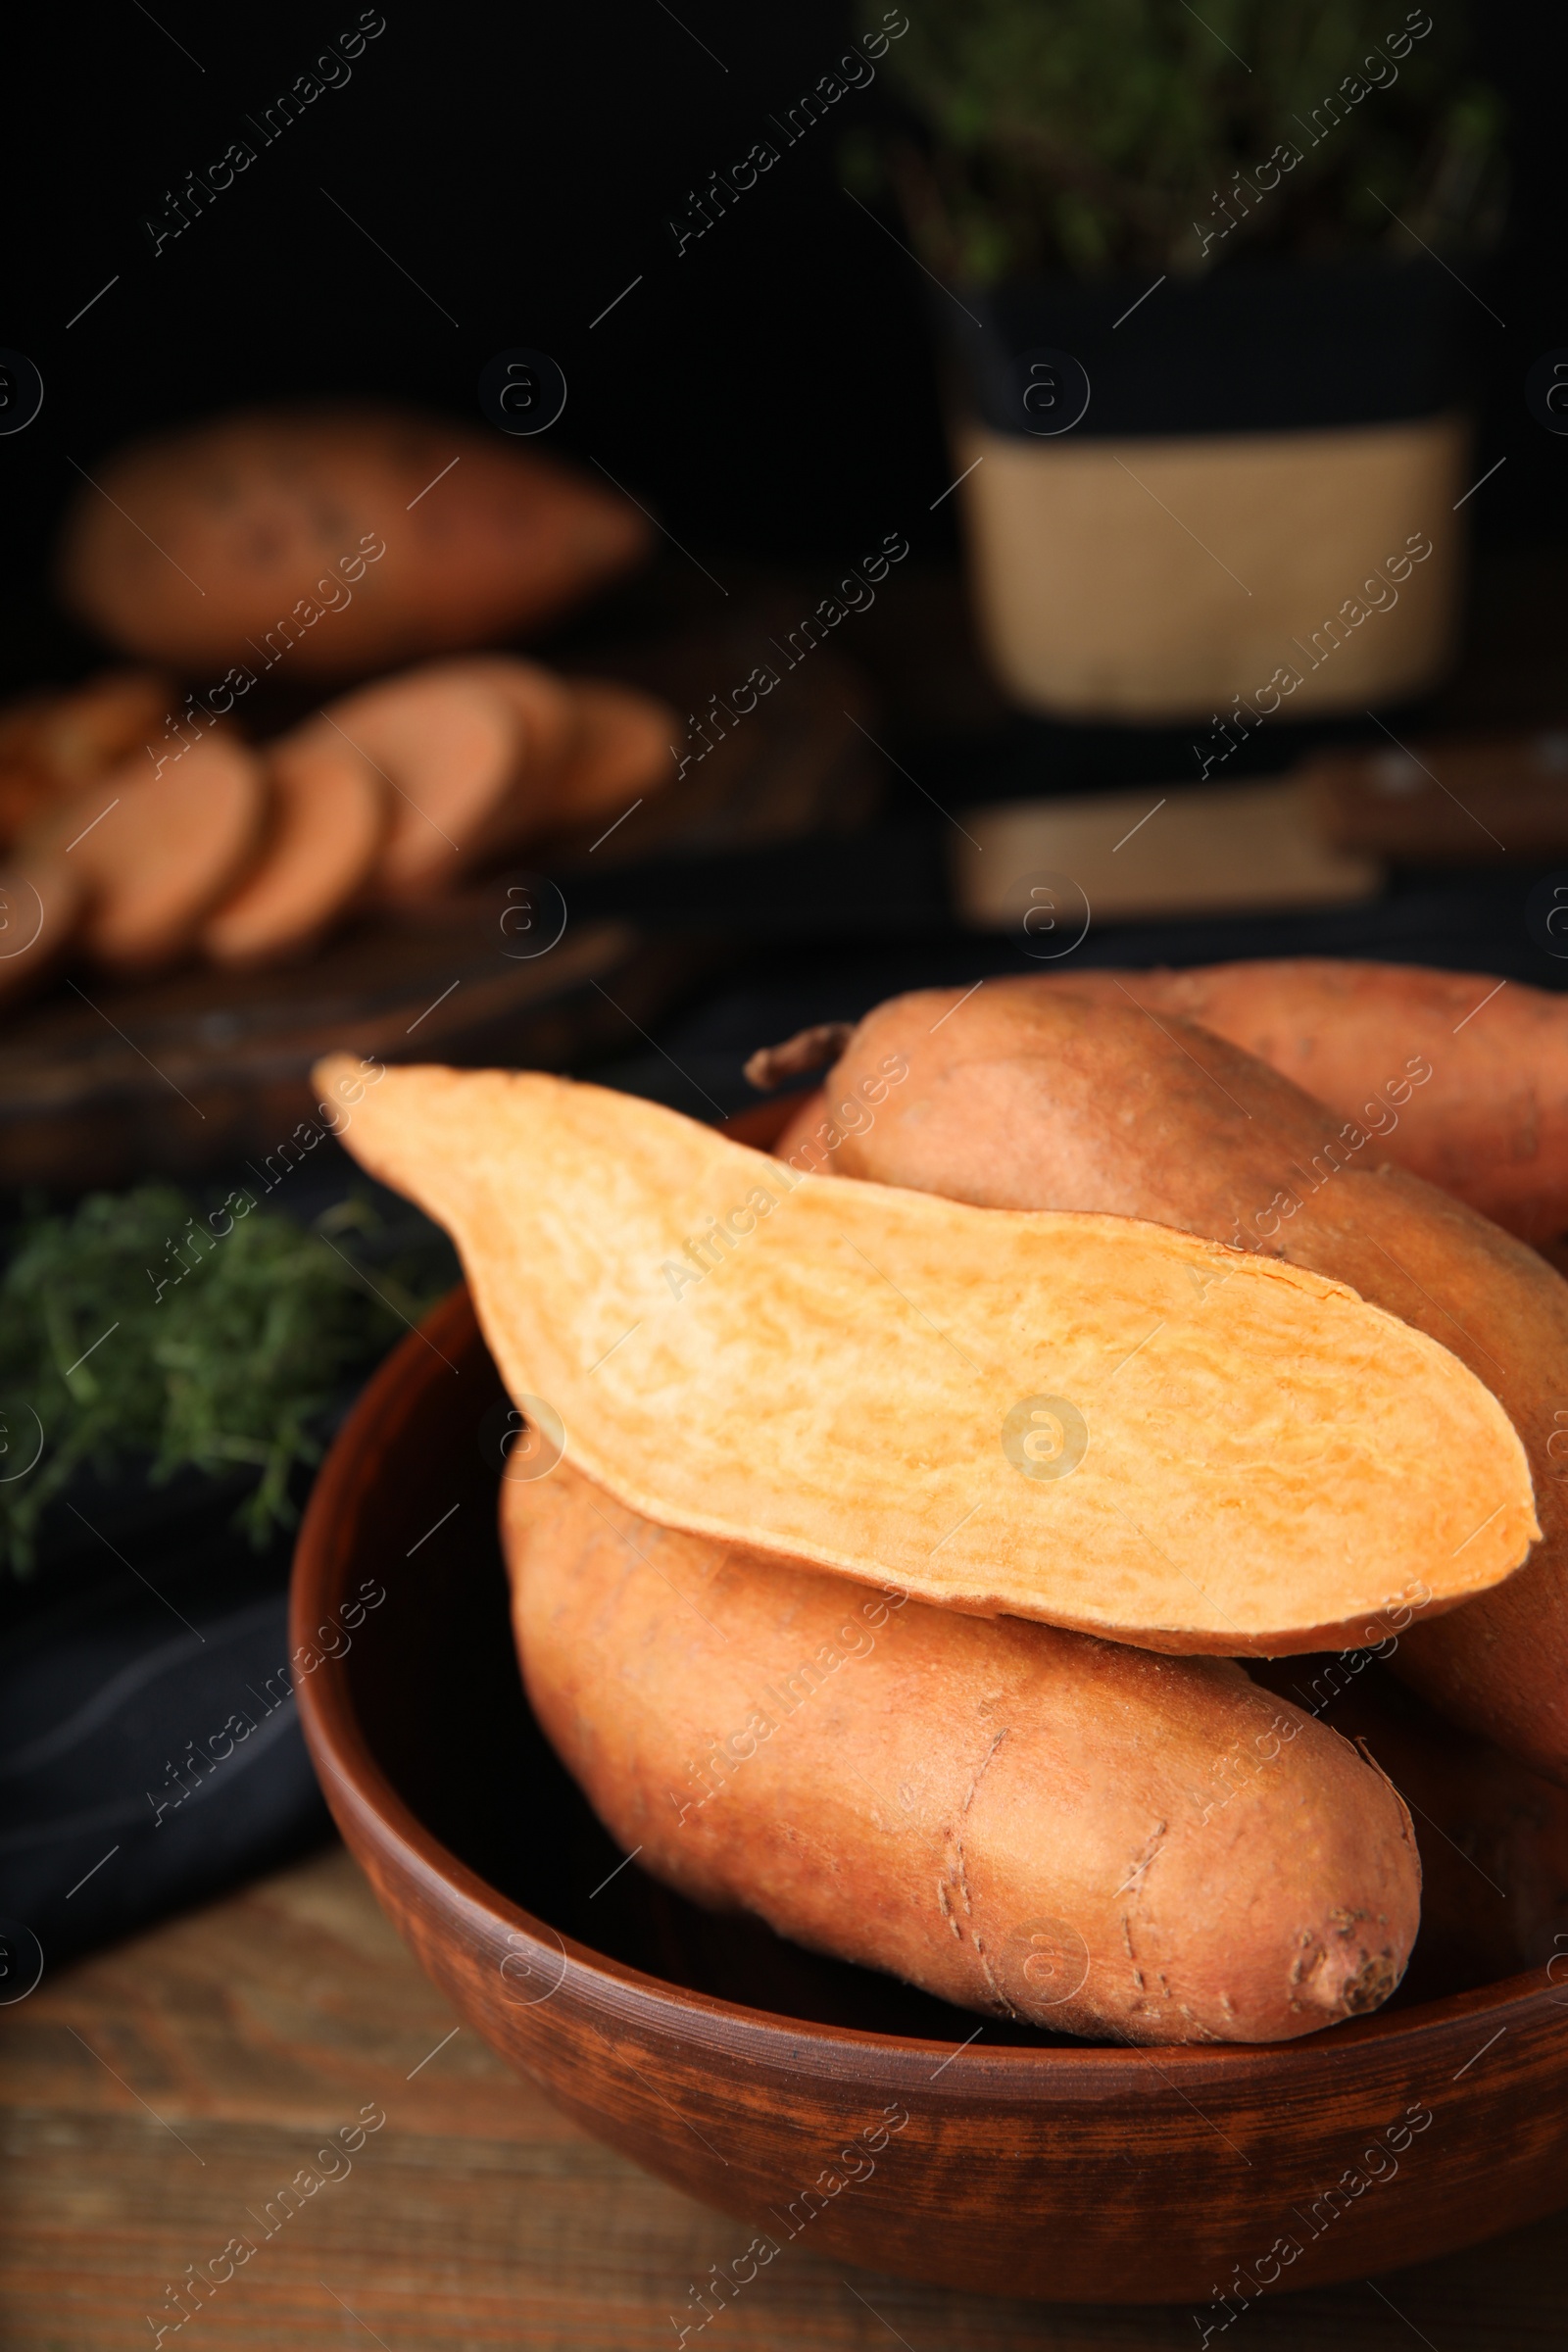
pixel 342 1755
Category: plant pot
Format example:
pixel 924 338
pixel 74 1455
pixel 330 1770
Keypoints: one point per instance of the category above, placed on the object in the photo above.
pixel 1258 502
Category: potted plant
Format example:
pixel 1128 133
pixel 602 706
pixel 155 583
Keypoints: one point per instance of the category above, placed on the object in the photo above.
pixel 1234 235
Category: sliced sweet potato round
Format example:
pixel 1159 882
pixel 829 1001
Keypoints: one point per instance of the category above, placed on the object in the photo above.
pixel 543 704
pixel 103 721
pixel 591 746
pixel 550 725
pixel 151 853
pixel 622 749
pixel 52 744
pixel 329 816
pixel 448 744
pixel 40 910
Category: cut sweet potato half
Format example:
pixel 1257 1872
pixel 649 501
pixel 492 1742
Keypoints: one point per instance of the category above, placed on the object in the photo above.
pixel 1085 1419
pixel 448 744
pixel 1061 1095
pixel 152 853
pixel 329 819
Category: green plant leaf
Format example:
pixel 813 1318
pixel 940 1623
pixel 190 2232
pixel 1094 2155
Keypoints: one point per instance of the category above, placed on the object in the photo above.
pixel 1093 135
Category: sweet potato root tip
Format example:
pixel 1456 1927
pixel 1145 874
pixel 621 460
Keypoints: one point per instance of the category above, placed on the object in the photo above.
pixel 807 1051
pixel 1493 1836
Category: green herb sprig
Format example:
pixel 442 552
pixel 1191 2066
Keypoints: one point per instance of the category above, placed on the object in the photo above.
pixel 1102 136
pixel 135 1332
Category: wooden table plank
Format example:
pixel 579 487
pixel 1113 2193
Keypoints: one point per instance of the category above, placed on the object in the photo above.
pixel 158 2096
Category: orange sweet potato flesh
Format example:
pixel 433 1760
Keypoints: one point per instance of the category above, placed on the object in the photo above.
pixel 152 853
pixel 1464 1077
pixel 622 748
pixel 1033 1824
pixel 541 701
pixel 446 741
pixel 329 816
pixel 1052 1095
pixel 1085 1419
pixel 589 747
pixel 53 744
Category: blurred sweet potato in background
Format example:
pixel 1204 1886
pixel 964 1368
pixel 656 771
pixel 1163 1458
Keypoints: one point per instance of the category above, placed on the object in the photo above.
pixel 341 539
pixel 54 741
pixel 143 853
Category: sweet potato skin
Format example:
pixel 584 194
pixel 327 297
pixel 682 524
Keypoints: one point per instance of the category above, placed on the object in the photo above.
pixel 1035 1095
pixel 318 537
pixel 1489 1122
pixel 1027 1822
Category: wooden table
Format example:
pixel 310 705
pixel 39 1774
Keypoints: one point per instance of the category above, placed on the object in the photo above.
pixel 157 2099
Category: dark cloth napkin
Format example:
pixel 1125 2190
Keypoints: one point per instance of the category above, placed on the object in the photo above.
pixel 150 1749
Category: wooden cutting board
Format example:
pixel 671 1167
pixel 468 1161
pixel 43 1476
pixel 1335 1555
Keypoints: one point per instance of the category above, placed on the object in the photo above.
pixel 199 1069
pixel 202 1070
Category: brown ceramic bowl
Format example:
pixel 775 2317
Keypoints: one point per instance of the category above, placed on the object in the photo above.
pixel 743 2069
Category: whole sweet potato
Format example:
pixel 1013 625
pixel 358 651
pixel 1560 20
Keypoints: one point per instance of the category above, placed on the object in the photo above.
pixel 1072 1096
pixel 1481 1065
pixel 1031 1823
pixel 335 539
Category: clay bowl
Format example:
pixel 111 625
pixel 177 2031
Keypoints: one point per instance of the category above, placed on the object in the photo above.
pixel 743 2069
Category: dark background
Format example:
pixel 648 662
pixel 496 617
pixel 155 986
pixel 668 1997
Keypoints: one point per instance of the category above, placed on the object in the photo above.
pixel 770 393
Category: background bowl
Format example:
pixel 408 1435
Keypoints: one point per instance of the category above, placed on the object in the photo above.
pixel 743 2069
